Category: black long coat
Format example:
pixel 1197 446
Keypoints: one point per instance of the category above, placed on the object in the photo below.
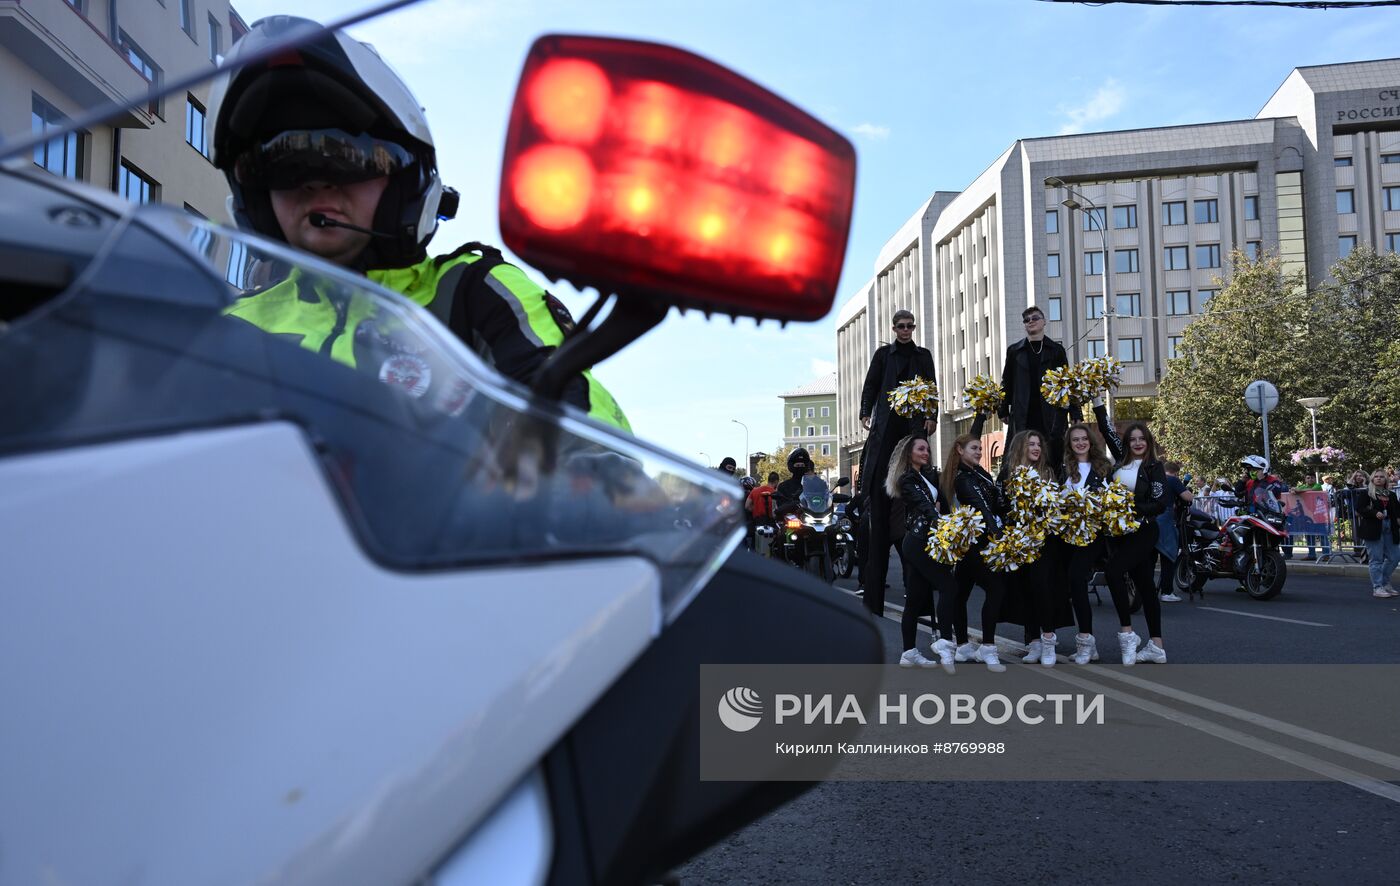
pixel 886 428
pixel 1016 381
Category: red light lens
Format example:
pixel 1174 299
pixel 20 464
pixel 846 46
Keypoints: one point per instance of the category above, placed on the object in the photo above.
pixel 640 168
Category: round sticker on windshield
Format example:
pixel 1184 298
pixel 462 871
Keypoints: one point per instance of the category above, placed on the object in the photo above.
pixel 406 371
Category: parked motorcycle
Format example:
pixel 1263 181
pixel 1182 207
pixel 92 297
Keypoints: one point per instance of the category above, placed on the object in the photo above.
pixel 1246 547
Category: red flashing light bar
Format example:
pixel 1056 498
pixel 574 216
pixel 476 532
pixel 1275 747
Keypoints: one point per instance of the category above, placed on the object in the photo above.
pixel 644 169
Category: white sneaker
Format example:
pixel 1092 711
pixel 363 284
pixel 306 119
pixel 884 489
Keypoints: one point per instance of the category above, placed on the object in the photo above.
pixel 1153 653
pixel 1128 644
pixel 1085 649
pixel 1390 591
pixel 1381 593
pixel 946 652
pixel 1169 597
pixel 966 652
pixel 1047 652
pixel 1032 652
pixel 913 658
pixel 987 654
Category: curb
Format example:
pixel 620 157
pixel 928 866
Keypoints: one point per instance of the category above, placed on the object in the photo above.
pixel 1339 570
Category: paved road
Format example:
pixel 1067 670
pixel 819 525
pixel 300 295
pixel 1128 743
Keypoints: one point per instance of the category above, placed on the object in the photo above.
pixel 1100 832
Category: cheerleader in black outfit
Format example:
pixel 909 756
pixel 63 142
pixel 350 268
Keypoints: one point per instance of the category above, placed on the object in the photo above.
pixel 966 482
pixel 1086 466
pixel 1134 555
pixel 914 481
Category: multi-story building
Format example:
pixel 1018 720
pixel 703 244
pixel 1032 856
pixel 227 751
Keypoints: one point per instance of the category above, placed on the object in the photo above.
pixel 61 57
pixel 810 416
pixel 1123 237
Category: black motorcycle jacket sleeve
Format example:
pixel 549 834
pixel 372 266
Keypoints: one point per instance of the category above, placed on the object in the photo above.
pixel 1150 497
pixel 1110 435
pixel 981 493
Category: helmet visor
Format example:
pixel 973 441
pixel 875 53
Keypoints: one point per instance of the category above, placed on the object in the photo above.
pixel 297 156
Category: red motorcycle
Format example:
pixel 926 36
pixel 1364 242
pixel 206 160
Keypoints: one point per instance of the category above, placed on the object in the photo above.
pixel 1245 547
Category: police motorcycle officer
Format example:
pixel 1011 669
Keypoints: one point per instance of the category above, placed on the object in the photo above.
pixel 326 149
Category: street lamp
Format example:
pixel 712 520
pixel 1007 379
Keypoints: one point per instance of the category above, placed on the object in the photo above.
pixel 1094 219
pixel 746 443
pixel 707 457
pixel 1312 405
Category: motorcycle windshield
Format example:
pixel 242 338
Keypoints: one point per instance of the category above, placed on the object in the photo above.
pixel 178 324
pixel 816 495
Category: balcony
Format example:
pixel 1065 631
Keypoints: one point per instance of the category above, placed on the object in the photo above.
pixel 68 51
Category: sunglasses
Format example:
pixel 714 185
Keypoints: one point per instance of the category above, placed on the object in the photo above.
pixel 1029 320
pixel 904 326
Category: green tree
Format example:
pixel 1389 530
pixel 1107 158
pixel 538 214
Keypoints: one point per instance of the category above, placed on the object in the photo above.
pixel 1336 342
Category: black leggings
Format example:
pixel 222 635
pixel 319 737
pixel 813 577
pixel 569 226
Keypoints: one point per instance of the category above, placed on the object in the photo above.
pixel 1168 567
pixel 1034 581
pixel 1079 565
pixel 972 570
pixel 1133 557
pixel 922 577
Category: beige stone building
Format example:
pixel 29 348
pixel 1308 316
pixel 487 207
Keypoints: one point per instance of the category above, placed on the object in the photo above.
pixel 1123 237
pixel 60 57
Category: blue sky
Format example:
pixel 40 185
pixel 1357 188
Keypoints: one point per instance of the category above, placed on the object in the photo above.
pixel 929 92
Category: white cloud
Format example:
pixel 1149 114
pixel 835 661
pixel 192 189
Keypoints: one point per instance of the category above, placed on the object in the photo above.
pixel 1104 103
pixel 872 131
pixel 822 367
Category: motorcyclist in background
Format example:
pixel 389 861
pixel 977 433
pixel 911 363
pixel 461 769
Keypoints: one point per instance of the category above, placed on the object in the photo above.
pixel 799 464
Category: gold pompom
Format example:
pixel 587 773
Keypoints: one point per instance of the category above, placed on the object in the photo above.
pixel 1012 549
pixel 955 534
pixel 1057 386
pixel 1080 516
pixel 914 396
pixel 984 394
pixel 1117 516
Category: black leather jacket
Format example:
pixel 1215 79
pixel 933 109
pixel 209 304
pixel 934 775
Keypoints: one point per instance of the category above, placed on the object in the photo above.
pixel 921 511
pixel 1150 494
pixel 976 488
pixel 1368 513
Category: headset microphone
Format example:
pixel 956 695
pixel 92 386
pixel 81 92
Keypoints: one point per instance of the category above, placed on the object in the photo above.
pixel 319 220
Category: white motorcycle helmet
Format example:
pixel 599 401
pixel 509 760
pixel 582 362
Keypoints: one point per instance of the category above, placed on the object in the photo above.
pixel 1255 462
pixel 330 110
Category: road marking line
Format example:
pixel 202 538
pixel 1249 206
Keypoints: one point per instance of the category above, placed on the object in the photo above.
pixel 1296 621
pixel 1358 780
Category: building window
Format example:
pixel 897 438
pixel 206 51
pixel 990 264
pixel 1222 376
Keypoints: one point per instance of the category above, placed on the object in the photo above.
pixel 826 430
pixel 826 411
pixel 1174 213
pixel 1205 295
pixel 1390 158
pixel 135 185
pixel 1173 347
pixel 1392 199
pixel 63 155
pixel 1392 241
pixel 194 125
pixel 1093 264
pixel 80 5
pixel 1052 309
pixel 148 68
pixel 1179 302
pixel 1251 250
pixel 215 39
pixel 1208 256
pixel 1174 258
pixel 826 449
pixel 1128 304
pixel 1345 245
pixel 1094 348
pixel 1093 306
pixel 1346 202
pixel 1125 261
pixel 811 430
pixel 1125 216
pixel 1207 212
pixel 1052 221
pixel 1094 219
pixel 186 17
pixel 796 413
pixel 1052 265
pixel 1342 161
pixel 796 432
pixel 811 412
pixel 1251 208
pixel 1130 350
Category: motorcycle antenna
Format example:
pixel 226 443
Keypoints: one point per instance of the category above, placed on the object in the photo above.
pixel 103 113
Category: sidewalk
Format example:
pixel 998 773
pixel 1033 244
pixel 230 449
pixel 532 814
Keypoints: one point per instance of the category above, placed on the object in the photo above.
pixel 1336 570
